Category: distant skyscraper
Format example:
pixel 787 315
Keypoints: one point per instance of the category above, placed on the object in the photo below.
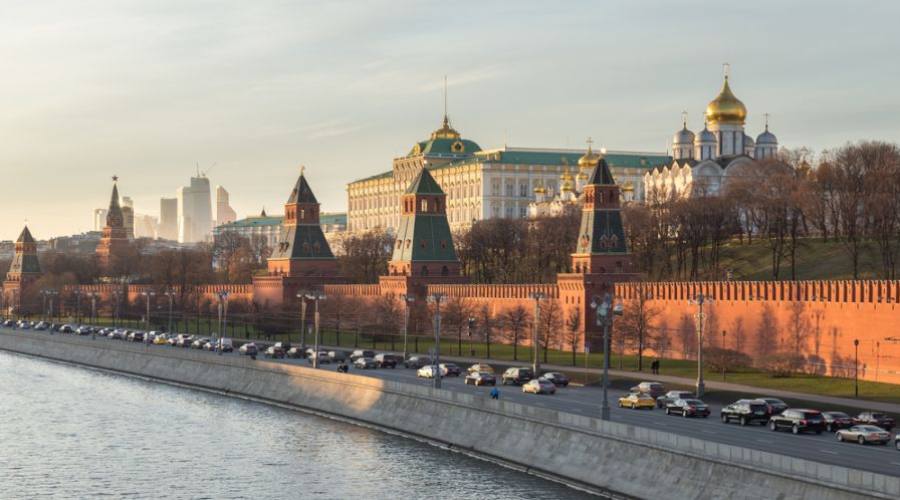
pixel 99 218
pixel 145 226
pixel 224 213
pixel 128 216
pixel 168 218
pixel 194 211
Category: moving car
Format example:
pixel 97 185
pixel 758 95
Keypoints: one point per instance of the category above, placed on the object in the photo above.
pixel 654 389
pixel 200 343
pixel 136 336
pixel 338 355
pixel 539 386
pixel 635 400
pixel 361 353
pixel 23 325
pixel 9 323
pixel 274 351
pixel 387 360
pixel 835 420
pixel 517 375
pixel 248 349
pixel 67 328
pixel 321 357
pixel 41 326
pixel 690 407
pixel 417 362
pixel 556 378
pixel 480 378
pixel 294 352
pixel 671 397
pixel 745 411
pixel 776 405
pixel 480 367
pixel 427 371
pixel 161 339
pixel 226 344
pixel 863 434
pixel 84 330
pixel 365 363
pixel 876 418
pixel 451 370
pixel 184 341
pixel 798 420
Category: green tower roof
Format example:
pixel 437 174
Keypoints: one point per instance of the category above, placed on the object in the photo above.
pixel 424 183
pixel 302 193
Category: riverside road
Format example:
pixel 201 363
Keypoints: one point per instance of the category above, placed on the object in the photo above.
pixel 586 401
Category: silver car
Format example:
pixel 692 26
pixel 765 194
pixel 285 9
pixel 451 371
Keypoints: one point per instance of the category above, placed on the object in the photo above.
pixel 863 434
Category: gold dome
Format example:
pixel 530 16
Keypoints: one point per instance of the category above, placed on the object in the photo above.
pixel 589 160
pixel 726 108
pixel 446 131
pixel 540 189
pixel 567 187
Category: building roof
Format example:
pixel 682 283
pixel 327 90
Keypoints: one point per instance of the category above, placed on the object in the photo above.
pixel 424 183
pixel 601 174
pixel 255 221
pixel 302 242
pixel 337 218
pixel 25 237
pixel 302 193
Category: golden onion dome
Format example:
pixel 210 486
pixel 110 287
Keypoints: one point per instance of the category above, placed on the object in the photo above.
pixel 567 187
pixel 726 108
pixel 540 189
pixel 589 160
pixel 582 176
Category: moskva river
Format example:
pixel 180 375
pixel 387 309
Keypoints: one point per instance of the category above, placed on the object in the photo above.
pixel 67 432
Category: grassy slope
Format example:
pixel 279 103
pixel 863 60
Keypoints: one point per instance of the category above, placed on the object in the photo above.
pixel 815 260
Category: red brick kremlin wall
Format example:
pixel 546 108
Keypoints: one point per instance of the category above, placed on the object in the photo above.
pixel 764 319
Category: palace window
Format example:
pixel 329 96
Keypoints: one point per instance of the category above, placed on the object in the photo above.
pixel 523 190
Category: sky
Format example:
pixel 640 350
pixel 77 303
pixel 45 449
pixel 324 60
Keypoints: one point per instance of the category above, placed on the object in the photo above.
pixel 249 91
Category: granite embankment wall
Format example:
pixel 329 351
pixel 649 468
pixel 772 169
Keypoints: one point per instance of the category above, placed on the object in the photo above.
pixel 628 460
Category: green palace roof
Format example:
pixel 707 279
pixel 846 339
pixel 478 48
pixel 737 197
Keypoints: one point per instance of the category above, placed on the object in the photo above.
pixel 256 221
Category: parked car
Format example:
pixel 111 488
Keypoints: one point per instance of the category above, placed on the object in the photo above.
pixel 480 378
pixel 654 389
pixel 417 362
pixel 835 420
pixel 798 420
pixel 556 378
pixel 745 411
pixel 876 418
pixel 337 355
pixel 275 351
pixel 480 367
pixel 776 406
pixel 387 360
pixel 690 407
pixel 864 434
pixel 365 363
pixel 671 397
pixel 451 369
pixel 361 353
pixel 517 376
pixel 635 400
pixel 427 371
pixel 248 349
pixel 538 386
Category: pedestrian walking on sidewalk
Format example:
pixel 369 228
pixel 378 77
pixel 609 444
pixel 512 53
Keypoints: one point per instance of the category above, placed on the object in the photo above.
pixel 654 366
pixel 495 393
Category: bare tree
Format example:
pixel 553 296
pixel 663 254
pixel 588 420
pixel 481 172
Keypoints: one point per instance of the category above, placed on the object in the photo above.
pixel 637 319
pixel 515 321
pixel 573 331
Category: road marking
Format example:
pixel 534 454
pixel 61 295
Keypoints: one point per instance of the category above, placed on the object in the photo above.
pixel 829 452
pixel 895 463
pixel 767 441
pixel 708 432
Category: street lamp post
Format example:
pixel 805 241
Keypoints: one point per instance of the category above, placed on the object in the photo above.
pixel 93 296
pixel 147 295
pixel 724 364
pixel 535 345
pixel 856 368
pixel 877 359
pixel 223 312
pixel 469 332
pixel 605 312
pixel 436 299
pixel 77 306
pixel 302 297
pixel 43 305
pixel 116 312
pixel 700 300
pixel 52 294
pixel 316 296
pixel 407 301
pixel 171 296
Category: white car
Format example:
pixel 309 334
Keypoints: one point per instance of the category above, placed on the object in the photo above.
pixel 427 371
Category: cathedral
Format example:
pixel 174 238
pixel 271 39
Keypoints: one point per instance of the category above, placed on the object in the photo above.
pixel 702 162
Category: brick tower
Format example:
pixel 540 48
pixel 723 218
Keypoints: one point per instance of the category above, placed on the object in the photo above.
pixel 423 250
pixel 114 242
pixel 24 271
pixel 302 257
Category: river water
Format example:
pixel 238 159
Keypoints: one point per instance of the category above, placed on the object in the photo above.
pixel 67 432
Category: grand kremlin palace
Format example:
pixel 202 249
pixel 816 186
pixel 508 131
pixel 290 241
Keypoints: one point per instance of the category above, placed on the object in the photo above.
pixel 484 184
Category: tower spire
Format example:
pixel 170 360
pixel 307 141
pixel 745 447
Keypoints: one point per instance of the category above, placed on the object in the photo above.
pixel 726 69
pixel 767 121
pixel 446 119
pixel 684 119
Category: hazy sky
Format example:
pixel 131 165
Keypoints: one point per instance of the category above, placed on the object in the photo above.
pixel 146 90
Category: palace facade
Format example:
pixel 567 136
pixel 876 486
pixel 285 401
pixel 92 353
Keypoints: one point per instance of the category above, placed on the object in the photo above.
pixel 482 184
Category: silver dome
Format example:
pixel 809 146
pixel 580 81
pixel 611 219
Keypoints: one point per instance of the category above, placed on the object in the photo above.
pixel 767 138
pixel 705 136
pixel 683 136
pixel 748 141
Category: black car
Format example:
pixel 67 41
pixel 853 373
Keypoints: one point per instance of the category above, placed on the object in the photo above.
pixel 671 397
pixel 417 362
pixel 517 376
pixel 690 407
pixel 556 378
pixel 836 420
pixel 387 360
pixel 776 405
pixel 745 411
pixel 361 353
pixel 875 418
pixel 451 370
pixel 798 420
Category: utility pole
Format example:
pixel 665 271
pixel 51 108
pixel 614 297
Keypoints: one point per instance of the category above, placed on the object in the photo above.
pixel 535 344
pixel 316 296
pixel 436 299
pixel 302 297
